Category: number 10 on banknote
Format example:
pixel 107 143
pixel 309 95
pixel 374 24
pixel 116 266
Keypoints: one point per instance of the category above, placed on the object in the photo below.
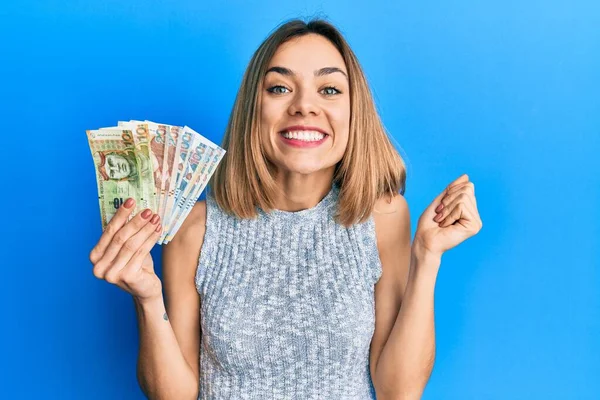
pixel 163 167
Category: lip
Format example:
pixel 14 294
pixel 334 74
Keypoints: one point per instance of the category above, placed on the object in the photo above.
pixel 303 128
pixel 301 143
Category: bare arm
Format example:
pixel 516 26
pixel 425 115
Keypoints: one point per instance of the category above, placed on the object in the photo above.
pixel 403 347
pixel 170 327
pixel 163 372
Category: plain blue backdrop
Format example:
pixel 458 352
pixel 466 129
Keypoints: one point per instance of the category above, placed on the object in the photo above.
pixel 505 91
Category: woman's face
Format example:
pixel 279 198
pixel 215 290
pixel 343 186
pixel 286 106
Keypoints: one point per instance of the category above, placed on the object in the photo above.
pixel 305 106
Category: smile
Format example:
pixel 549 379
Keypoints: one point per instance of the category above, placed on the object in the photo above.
pixel 303 138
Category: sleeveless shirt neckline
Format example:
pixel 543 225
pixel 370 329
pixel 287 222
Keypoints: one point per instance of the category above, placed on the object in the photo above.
pixel 321 207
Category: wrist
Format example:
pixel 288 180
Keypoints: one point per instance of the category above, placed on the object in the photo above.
pixel 424 255
pixel 424 265
pixel 149 303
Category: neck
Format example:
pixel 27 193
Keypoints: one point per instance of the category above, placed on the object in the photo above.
pixel 300 192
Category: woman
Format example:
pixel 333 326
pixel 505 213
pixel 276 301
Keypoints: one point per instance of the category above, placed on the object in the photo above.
pixel 288 281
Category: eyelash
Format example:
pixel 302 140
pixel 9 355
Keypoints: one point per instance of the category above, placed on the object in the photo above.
pixel 270 90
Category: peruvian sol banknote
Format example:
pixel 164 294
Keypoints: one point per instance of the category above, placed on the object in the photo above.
pixel 163 167
pixel 117 170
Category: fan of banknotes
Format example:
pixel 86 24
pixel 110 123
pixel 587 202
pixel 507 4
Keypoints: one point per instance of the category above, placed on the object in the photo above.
pixel 163 167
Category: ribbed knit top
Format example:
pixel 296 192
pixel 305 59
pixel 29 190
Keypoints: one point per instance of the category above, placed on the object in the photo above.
pixel 287 305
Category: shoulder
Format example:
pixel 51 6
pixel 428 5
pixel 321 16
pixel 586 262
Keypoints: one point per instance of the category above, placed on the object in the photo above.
pixel 197 217
pixel 392 219
pixel 390 205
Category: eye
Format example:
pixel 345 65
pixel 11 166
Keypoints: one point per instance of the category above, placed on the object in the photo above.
pixel 275 89
pixel 331 90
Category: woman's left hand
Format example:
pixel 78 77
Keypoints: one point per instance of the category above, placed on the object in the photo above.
pixel 451 219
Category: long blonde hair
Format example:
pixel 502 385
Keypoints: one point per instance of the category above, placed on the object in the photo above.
pixel 370 168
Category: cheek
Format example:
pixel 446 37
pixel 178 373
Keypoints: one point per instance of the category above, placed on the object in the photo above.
pixel 339 115
pixel 270 112
pixel 340 122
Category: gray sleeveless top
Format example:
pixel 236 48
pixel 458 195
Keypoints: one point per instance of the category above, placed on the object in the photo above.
pixel 287 305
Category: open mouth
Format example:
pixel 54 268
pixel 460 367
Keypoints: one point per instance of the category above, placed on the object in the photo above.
pixel 306 137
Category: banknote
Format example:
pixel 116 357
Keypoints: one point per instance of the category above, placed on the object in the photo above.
pixel 156 141
pixel 141 138
pixel 163 167
pixel 198 166
pixel 174 141
pixel 119 170
pixel 216 155
pixel 213 156
pixel 198 155
pixel 181 158
pixel 158 146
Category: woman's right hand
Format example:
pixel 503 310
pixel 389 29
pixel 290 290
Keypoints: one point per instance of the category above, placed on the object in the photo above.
pixel 122 255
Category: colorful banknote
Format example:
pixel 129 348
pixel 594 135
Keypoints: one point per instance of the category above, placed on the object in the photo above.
pixel 163 167
pixel 119 170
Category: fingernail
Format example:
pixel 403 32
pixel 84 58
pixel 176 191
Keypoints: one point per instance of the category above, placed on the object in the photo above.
pixel 158 228
pixel 128 203
pixel 155 219
pixel 439 207
pixel 146 213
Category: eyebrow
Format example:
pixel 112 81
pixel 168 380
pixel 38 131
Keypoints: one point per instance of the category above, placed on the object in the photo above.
pixel 320 72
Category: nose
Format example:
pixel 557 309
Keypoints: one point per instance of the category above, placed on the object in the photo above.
pixel 303 104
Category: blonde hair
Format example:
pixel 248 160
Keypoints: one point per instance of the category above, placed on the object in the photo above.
pixel 370 168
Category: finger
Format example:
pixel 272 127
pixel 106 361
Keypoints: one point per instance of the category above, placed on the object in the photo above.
pixel 135 264
pixel 461 210
pixel 467 188
pixel 436 202
pixel 462 214
pixel 446 211
pixel 116 222
pixel 131 248
pixel 455 214
pixel 458 187
pixel 119 239
pixel 464 178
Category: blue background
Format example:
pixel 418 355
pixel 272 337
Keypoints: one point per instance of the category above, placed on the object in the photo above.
pixel 506 91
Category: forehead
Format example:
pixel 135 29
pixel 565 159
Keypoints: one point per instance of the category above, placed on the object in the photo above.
pixel 307 53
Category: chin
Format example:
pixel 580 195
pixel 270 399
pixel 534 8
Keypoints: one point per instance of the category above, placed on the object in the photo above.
pixel 305 171
pixel 303 168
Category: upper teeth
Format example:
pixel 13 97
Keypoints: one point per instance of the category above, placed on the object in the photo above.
pixel 308 136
